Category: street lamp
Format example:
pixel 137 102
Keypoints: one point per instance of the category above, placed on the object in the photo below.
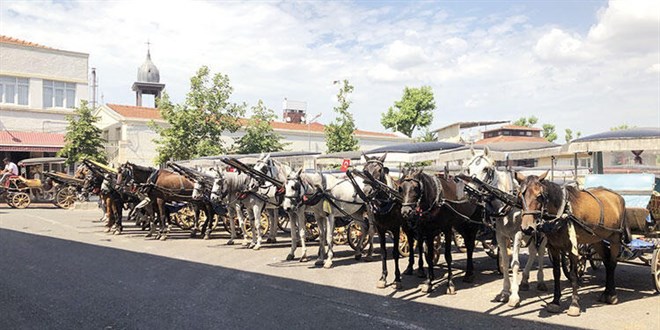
pixel 309 131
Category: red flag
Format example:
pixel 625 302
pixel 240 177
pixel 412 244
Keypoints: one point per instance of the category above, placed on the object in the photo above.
pixel 345 164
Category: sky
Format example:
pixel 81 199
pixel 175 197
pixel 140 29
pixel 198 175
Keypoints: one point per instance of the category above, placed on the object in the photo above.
pixel 587 65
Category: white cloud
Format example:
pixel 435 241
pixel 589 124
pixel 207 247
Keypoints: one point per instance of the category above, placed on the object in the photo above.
pixel 498 67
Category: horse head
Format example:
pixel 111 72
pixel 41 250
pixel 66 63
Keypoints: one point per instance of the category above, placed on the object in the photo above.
pixel 124 176
pixel 376 168
pixel 293 191
pixel 481 166
pixel 411 190
pixel 218 191
pixel 534 196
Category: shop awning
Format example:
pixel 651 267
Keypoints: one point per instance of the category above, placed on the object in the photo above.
pixel 30 141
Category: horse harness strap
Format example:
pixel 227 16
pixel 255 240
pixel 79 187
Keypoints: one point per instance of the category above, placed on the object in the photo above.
pixel 601 221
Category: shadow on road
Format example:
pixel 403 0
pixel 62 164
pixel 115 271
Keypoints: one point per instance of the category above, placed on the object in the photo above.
pixel 59 284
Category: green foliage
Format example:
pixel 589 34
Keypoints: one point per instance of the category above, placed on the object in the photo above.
pixel 413 111
pixel 427 136
pixel 568 135
pixel 526 122
pixel 549 132
pixel 82 138
pixel 621 127
pixel 196 126
pixel 339 134
pixel 259 135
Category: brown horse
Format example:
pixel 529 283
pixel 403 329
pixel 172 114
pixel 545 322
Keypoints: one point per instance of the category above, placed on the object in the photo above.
pixel 568 217
pixel 168 186
pixel 96 183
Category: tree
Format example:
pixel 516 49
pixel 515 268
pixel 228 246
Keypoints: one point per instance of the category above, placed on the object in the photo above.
pixel 82 139
pixel 339 134
pixel 549 132
pixel 568 135
pixel 526 122
pixel 259 135
pixel 413 111
pixel 196 126
pixel 428 136
pixel 621 127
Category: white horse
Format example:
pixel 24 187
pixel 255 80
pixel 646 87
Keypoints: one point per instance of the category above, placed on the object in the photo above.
pixel 507 230
pixel 327 197
pixel 270 193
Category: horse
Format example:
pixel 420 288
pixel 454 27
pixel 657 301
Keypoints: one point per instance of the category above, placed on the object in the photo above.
pixel 201 195
pixel 568 217
pixel 507 229
pixel 387 217
pixel 432 205
pixel 269 193
pixel 327 197
pixel 97 182
pixel 235 190
pixel 131 179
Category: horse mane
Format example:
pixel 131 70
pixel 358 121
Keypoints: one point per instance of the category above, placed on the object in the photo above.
pixel 141 168
pixel 430 188
pixel 555 195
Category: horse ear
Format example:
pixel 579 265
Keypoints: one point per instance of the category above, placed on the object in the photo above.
pixel 382 158
pixel 472 150
pixel 486 151
pixel 299 171
pixel 520 177
pixel 542 176
pixel 366 158
pixel 267 157
pixel 419 171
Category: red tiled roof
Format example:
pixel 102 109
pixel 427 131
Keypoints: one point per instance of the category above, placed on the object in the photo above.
pixel 130 111
pixel 508 138
pixel 30 141
pixel 14 41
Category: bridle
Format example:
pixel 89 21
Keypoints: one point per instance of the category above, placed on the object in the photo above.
pixel 537 214
pixel 490 168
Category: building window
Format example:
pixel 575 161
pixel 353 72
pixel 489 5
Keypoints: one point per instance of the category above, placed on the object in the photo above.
pixel 529 133
pixel 59 94
pixel 14 90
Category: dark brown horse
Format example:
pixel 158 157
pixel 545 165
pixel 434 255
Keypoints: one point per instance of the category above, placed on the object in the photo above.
pixel 568 217
pixel 431 206
pixel 98 183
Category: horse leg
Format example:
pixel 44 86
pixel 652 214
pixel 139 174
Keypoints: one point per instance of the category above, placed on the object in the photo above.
pixel 293 220
pixel 193 230
pixel 514 300
pixel 609 260
pixel 502 242
pixel 540 255
pixel 395 254
pixel 119 227
pixel 302 219
pixel 162 235
pixel 428 285
pixel 272 219
pixel 554 306
pixel 411 253
pixel 328 234
pixel 322 229
pixel 470 242
pixel 383 257
pixel 256 226
pixel 420 263
pixel 207 226
pixel 574 309
pixel 451 289
pixel 370 237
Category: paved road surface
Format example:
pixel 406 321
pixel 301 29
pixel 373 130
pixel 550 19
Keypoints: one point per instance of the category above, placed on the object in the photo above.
pixel 58 270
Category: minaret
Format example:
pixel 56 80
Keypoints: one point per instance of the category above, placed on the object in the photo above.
pixel 148 80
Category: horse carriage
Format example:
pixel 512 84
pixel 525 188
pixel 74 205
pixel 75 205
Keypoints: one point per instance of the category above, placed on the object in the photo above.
pixel 42 180
pixel 642 216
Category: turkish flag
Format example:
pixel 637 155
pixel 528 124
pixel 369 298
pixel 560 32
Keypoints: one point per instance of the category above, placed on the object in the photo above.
pixel 345 164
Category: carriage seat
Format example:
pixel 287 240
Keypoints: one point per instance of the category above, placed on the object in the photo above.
pixel 30 183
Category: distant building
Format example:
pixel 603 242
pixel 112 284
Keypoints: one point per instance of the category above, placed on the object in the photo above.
pixel 512 133
pixel 39 87
pixel 464 132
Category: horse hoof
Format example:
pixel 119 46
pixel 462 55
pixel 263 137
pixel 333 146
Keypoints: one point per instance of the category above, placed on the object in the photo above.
pixel 303 259
pixel 468 278
pixel 366 258
pixel 514 302
pixel 421 273
pixel 107 229
pixel 397 286
pixel 541 287
pixel 502 297
pixel 553 308
pixel 358 257
pixel 574 310
pixel 524 286
pixel 327 264
pixel 451 290
pixel 230 242
pixel 318 263
pixel 257 247
pixel 271 240
pixel 608 299
pixel 148 235
pixel 408 271
pixel 289 257
pixel 250 245
pixel 381 284
pixel 426 288
pixel 207 236
pixel 163 238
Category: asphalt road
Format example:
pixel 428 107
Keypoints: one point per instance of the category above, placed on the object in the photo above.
pixel 59 270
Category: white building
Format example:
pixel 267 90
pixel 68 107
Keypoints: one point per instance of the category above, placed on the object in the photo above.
pixel 39 87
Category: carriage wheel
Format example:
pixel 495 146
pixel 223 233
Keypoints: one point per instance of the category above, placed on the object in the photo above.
pixel 655 269
pixel 20 200
pixel 185 217
pixel 311 229
pixel 355 229
pixel 264 225
pixel 65 198
pixel 227 224
pixel 403 244
pixel 340 235
pixel 284 223
pixel 595 260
